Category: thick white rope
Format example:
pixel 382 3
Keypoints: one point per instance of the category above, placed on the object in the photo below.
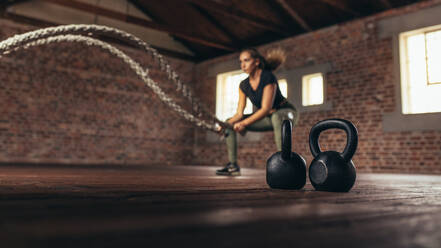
pixel 136 67
pixel 20 40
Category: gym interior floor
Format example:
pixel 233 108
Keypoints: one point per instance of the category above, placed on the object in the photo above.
pixel 188 206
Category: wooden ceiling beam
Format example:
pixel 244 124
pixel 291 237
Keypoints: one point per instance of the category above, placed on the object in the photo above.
pixel 44 24
pixel 341 6
pixel 240 15
pixel 294 14
pixel 218 25
pixel 158 20
pixel 6 3
pixel 140 22
pixel 28 20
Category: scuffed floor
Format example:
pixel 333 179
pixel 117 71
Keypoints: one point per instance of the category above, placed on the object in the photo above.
pixel 189 206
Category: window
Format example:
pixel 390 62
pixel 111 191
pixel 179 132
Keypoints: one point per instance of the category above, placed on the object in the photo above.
pixel 396 28
pixel 420 62
pixel 312 89
pixel 227 94
pixel 283 86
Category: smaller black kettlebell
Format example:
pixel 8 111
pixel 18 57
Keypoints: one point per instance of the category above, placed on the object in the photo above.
pixel 330 170
pixel 286 169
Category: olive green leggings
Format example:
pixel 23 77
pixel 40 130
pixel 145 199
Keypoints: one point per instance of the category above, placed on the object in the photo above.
pixel 268 123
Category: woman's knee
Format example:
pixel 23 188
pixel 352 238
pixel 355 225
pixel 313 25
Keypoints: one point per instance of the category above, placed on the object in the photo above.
pixel 285 114
pixel 276 119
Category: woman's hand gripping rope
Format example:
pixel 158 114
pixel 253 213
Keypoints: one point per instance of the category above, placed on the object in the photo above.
pixel 222 129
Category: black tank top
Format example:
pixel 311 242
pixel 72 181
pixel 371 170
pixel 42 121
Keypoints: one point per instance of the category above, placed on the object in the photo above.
pixel 266 77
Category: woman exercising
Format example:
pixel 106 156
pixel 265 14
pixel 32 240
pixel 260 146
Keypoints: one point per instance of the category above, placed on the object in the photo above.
pixel 262 89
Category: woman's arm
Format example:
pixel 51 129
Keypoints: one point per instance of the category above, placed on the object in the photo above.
pixel 240 108
pixel 268 96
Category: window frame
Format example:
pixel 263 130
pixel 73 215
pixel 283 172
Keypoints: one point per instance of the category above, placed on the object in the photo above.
pixel 294 79
pixel 434 29
pixel 406 99
pixel 306 80
pixel 390 28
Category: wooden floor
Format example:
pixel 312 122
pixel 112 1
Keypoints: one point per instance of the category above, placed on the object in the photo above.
pixel 188 206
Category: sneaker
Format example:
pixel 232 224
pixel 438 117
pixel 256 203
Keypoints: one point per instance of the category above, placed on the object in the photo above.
pixel 231 169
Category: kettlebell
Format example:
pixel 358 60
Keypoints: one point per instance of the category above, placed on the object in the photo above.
pixel 286 169
pixel 331 170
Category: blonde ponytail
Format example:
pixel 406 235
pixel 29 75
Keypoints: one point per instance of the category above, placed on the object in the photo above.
pixel 274 58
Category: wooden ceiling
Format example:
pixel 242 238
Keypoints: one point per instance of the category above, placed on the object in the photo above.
pixel 210 28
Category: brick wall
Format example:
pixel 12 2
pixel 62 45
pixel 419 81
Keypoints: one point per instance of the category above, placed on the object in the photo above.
pixel 70 103
pixel 361 88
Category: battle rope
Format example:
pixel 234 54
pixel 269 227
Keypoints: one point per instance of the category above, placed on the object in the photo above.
pixel 64 34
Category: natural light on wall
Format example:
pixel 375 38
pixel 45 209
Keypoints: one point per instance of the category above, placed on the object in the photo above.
pixel 312 89
pixel 227 94
pixel 420 61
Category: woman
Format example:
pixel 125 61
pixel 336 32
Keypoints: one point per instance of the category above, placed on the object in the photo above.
pixel 262 89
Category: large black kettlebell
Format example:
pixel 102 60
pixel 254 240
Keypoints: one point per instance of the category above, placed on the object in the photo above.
pixel 330 170
pixel 286 169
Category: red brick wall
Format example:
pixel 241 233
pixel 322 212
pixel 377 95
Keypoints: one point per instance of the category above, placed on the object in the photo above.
pixel 69 103
pixel 361 88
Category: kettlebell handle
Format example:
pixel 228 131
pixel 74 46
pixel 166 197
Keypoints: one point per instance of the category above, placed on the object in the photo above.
pixel 286 139
pixel 347 126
